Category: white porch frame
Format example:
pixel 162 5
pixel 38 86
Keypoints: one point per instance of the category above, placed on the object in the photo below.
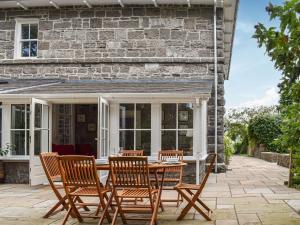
pixel 199 124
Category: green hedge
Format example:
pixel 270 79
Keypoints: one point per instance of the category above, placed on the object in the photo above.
pixel 265 129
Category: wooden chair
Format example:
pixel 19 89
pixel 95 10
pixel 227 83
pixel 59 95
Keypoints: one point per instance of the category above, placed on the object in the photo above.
pixel 172 175
pixel 50 165
pixel 80 179
pixel 132 152
pixel 191 193
pixel 130 179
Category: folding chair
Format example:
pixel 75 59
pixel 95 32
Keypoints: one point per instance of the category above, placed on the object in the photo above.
pixel 80 179
pixel 130 179
pixel 173 175
pixel 186 191
pixel 50 165
pixel 132 152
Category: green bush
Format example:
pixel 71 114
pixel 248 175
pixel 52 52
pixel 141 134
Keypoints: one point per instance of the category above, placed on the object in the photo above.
pixel 229 148
pixel 265 129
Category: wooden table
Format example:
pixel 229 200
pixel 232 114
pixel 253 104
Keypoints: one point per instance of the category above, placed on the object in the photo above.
pixel 153 167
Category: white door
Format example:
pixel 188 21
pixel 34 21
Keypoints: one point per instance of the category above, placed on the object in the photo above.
pixel 39 139
pixel 103 128
pixel 103 133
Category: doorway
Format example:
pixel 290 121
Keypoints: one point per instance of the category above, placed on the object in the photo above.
pixel 74 129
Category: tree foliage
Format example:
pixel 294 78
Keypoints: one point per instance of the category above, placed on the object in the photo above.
pixel 236 124
pixel 282 45
pixel 228 148
pixel 265 130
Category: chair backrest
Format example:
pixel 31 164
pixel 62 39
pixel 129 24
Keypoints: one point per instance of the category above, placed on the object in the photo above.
pixel 132 152
pixel 49 162
pixel 78 171
pixel 129 171
pixel 164 154
pixel 212 158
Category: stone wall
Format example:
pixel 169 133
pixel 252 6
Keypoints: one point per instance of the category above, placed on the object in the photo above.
pixel 113 31
pixel 284 160
pixel 16 172
pixel 111 42
pixel 189 172
pixel 269 156
pixel 274 157
pixel 258 150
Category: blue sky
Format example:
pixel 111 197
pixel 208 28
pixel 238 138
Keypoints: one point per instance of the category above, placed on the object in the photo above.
pixel 252 79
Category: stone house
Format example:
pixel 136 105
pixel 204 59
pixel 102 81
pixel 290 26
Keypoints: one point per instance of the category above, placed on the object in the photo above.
pixel 93 77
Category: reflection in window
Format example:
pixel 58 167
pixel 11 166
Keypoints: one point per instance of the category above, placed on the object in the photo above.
pixel 135 127
pixel 0 127
pixel 28 40
pixel 177 127
pixel 20 114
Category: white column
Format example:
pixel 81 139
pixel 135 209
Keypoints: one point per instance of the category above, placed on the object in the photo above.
pixel 155 129
pixel 197 140
pixel 203 127
pixel 6 119
pixel 197 144
pixel 114 128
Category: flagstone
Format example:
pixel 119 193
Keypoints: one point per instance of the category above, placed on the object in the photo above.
pixel 241 200
pixel 250 193
pixel 246 218
pixel 263 208
pixel 289 218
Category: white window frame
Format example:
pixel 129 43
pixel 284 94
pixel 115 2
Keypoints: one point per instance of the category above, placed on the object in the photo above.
pixel 26 130
pixel 134 126
pixel 177 129
pixel 1 128
pixel 18 40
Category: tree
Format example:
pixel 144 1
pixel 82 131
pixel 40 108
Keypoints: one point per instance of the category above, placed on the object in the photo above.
pixel 283 47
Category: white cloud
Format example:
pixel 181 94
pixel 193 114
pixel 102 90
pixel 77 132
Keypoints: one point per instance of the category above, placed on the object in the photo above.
pixel 270 97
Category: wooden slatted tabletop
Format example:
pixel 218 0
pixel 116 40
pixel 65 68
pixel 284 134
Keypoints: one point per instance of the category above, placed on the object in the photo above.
pixel 152 166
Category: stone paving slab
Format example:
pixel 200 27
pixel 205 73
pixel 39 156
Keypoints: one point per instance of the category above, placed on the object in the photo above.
pixel 250 193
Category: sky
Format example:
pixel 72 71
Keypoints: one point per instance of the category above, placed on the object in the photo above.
pixel 252 79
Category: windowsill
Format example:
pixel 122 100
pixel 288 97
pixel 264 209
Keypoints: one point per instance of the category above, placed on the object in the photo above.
pixel 14 158
pixel 194 159
pixel 25 58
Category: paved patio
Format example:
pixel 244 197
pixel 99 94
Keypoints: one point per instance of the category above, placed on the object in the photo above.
pixel 250 193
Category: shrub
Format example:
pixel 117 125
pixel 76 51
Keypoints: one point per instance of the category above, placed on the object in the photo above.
pixel 228 147
pixel 265 129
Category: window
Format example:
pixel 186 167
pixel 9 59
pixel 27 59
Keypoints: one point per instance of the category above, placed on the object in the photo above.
pixel 177 127
pixel 0 126
pixel 135 127
pixel 26 38
pixel 20 115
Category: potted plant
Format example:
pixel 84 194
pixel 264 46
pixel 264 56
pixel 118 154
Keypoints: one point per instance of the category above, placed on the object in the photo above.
pixel 3 152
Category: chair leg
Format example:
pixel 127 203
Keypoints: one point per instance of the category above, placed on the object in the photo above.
pixel 61 202
pixel 191 203
pixel 155 211
pixel 67 216
pixel 84 207
pixel 72 201
pixel 105 210
pixel 118 210
pixel 113 222
pixel 198 200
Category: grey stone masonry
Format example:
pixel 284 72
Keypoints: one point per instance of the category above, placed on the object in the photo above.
pixel 110 42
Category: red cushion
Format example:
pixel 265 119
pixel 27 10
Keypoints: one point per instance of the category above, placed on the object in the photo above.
pixel 85 149
pixel 64 149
